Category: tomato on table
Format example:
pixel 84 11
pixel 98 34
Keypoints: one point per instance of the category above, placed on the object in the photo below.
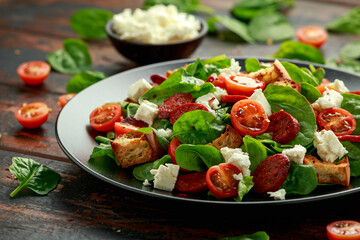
pixel 242 85
pixel 220 180
pixel 34 72
pixel 340 121
pixel 122 128
pixel 103 118
pixel 248 117
pixel 344 229
pixel 32 115
pixel 312 35
pixel 65 98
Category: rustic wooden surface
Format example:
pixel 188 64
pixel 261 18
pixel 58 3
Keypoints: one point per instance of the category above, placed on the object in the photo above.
pixel 83 207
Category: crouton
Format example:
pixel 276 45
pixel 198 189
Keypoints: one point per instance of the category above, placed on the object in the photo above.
pixel 230 138
pixel 135 148
pixel 288 82
pixel 330 172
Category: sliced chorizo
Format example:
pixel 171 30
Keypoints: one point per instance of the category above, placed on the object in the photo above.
pixel 179 111
pixel 283 127
pixel 192 182
pixel 173 102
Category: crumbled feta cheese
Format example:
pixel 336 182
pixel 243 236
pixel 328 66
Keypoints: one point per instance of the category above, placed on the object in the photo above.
pixel 165 176
pixel 146 183
pixel 339 85
pixel 233 69
pixel 158 24
pixel 193 80
pixel 238 177
pixel 296 154
pixel 328 146
pixel 138 89
pixel 209 101
pixel 219 92
pixel 259 96
pixel 278 195
pixel 147 112
pixel 330 98
pixel 238 158
pixel 165 133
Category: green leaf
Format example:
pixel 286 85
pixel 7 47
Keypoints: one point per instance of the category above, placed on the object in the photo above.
pixel 347 23
pixel 354 157
pixel 89 23
pixel 351 103
pixel 300 75
pixel 197 157
pixel 188 6
pixel 310 92
pixel 299 50
pixel 75 57
pixel 83 80
pixel 142 171
pixel 351 50
pixel 345 64
pixel 255 236
pixel 33 175
pixel 270 26
pixel 256 150
pixel 244 187
pixel 252 65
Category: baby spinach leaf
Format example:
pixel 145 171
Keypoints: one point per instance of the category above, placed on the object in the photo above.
pixel 75 57
pixel 270 26
pixel 83 80
pixel 244 187
pixel 347 23
pixel 162 140
pixel 255 236
pixel 351 103
pixel 104 150
pixel 287 99
pixel 301 179
pixel 299 50
pixel 252 65
pixel 33 175
pixel 188 6
pixel 142 171
pixel 346 64
pixel 354 157
pixel 351 50
pixel 197 127
pixel 203 69
pixel 256 150
pixel 310 92
pixel 300 75
pixel 197 157
pixel 162 124
pixel 89 23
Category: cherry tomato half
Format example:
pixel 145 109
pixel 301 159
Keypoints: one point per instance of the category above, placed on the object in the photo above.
pixel 103 118
pixel 322 88
pixel 242 85
pixel 344 229
pixel 174 143
pixel 312 35
pixel 122 127
pixel 217 81
pixel 340 121
pixel 220 180
pixel 34 72
pixel 32 115
pixel 248 117
pixel 63 99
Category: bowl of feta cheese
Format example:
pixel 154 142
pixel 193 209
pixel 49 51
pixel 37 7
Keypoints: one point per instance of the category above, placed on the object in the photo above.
pixel 158 34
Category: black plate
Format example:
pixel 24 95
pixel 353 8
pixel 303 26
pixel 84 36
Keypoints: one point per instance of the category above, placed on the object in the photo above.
pixel 76 138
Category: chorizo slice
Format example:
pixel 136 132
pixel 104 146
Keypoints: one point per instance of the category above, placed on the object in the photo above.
pixel 283 127
pixel 179 111
pixel 172 102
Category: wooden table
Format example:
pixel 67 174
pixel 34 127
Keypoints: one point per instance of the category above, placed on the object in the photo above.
pixel 83 207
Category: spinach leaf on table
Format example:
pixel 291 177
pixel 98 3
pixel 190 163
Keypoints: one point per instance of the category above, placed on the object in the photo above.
pixel 75 57
pixel 351 50
pixel 346 64
pixel 33 175
pixel 188 6
pixel 89 23
pixel 83 80
pixel 351 103
pixel 255 236
pixel 347 23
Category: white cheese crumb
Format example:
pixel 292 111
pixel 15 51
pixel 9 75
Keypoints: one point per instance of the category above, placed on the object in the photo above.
pixel 146 183
pixel 165 133
pixel 238 177
pixel 165 176
pixel 136 90
pixel 296 154
pixel 330 98
pixel 209 101
pixel 278 195
pixel 339 85
pixel 147 112
pixel 219 92
pixel 238 158
pixel 259 96
pixel 328 146
pixel 233 69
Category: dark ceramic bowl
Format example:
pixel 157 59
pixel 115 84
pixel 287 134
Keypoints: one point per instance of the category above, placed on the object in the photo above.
pixel 144 53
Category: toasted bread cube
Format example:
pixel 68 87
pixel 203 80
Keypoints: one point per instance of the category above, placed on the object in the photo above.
pixel 230 138
pixel 288 82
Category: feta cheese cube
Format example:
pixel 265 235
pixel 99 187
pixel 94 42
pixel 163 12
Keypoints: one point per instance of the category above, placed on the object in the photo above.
pixel 278 195
pixel 165 133
pixel 330 98
pixel 147 112
pixel 328 146
pixel 259 96
pixel 238 177
pixel 165 176
pixel 233 69
pixel 238 158
pixel 296 154
pixel 219 92
pixel 138 89
pixel 209 101
pixel 339 85
pixel 146 183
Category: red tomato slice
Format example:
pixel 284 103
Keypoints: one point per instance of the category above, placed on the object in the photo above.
pixel 248 117
pixel 192 182
pixel 312 35
pixel 344 229
pixel 34 72
pixel 322 89
pixel 350 138
pixel 232 98
pixel 355 92
pixel 32 115
pixel 63 99
pixel 242 85
pixel 220 180
pixel 121 128
pixel 103 118
pixel 340 121
pixel 217 81
pixel 174 143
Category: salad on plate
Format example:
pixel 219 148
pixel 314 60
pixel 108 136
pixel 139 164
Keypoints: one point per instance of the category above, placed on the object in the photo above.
pixel 216 128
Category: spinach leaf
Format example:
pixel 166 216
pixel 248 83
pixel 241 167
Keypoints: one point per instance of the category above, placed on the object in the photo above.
pixel 197 127
pixel 310 92
pixel 348 23
pixel 351 103
pixel 255 236
pixel 83 80
pixel 188 6
pixel 104 150
pixel 351 50
pixel 179 81
pixel 162 124
pixel 256 150
pixel 287 99
pixel 300 75
pixel 346 64
pixel 197 157
pixel 75 57
pixel 244 187
pixel 162 140
pixel 299 50
pixel 252 65
pixel 319 73
pixel 354 157
pixel 301 179
pixel 90 23
pixel 272 147
pixel 33 175
pixel 203 69
pixel 270 26
pixel 142 171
